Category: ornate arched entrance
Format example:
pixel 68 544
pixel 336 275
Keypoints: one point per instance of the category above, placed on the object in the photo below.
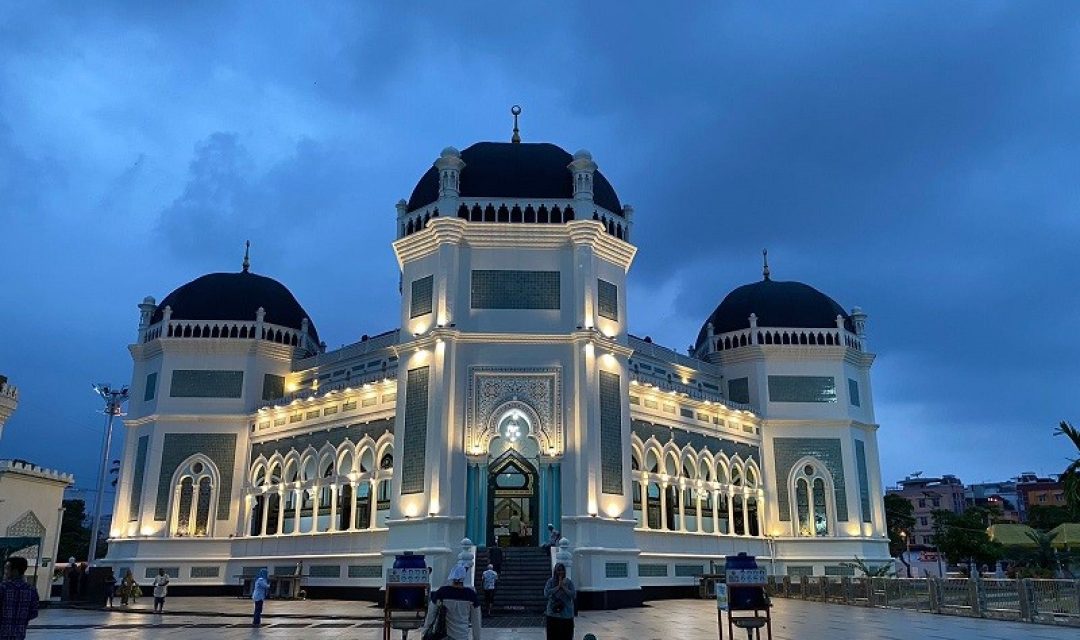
pixel 512 501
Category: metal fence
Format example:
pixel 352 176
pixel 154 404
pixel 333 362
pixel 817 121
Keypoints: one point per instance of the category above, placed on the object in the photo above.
pixel 1029 600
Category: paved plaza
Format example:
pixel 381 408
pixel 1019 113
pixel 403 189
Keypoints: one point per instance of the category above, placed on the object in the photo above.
pixel 225 619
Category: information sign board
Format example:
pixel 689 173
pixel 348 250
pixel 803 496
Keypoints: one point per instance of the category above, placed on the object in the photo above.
pixel 721 597
pixel 417 575
pixel 745 577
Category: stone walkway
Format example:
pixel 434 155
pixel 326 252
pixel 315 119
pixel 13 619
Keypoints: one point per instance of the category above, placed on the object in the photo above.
pixel 226 619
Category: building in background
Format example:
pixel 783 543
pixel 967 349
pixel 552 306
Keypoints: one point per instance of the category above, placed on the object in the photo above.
pixel 31 505
pixel 926 496
pixel 1002 495
pixel 510 395
pixel 1033 491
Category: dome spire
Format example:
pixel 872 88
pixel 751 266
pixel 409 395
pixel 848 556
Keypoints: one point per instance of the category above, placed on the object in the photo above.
pixel 247 261
pixel 765 268
pixel 515 111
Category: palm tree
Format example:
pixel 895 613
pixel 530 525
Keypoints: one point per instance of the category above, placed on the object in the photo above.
pixel 1071 478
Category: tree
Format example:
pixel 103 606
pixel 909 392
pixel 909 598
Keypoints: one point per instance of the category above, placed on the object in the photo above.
pixel 964 536
pixel 1040 561
pixel 880 571
pixel 1070 479
pixel 1046 517
pixel 899 521
pixel 75 533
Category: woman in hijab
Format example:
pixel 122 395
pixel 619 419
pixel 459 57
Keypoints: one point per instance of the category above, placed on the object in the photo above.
pixel 258 594
pixel 461 605
pixel 559 612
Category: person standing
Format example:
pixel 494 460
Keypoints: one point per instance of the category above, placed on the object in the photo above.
pixel 489 578
pixel 553 536
pixel 258 594
pixel 110 587
pixel 515 528
pixel 461 606
pixel 559 612
pixel 18 601
pixel 161 589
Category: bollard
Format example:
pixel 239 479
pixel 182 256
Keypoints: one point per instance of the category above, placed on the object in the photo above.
pixel 1023 596
pixel 933 589
pixel 804 584
pixel 786 586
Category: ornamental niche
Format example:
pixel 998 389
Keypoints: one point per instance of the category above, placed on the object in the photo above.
pixel 535 392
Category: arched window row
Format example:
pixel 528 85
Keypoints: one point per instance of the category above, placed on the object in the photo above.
pixel 240 331
pixel 686 491
pixel 346 488
pixel 810 337
pixel 513 214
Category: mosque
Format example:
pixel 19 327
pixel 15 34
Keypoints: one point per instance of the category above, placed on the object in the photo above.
pixel 510 395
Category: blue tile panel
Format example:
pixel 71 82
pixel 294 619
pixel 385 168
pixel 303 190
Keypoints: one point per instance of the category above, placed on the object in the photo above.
pixel 365 571
pixel 150 392
pixel 607 300
pixel 652 570
pixel 738 390
pixel 324 571
pixel 205 572
pixel 800 571
pixel 206 383
pixel 839 570
pixel 273 387
pixel 697 441
pixel 688 570
pixel 616 570
pixel 219 447
pixel 316 440
pixel 414 441
pixel 515 289
pixel 788 451
pixel 611 444
pixel 802 389
pixel 252 571
pixel 853 392
pixel 152 572
pixel 135 500
pixel 421 301
pixel 864 481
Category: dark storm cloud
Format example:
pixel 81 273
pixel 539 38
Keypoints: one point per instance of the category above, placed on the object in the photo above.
pixel 917 160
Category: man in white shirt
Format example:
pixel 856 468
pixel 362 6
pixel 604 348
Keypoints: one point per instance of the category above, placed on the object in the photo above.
pixel 489 578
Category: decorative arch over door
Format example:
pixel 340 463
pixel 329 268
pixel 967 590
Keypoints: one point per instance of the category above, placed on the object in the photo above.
pixel 513 501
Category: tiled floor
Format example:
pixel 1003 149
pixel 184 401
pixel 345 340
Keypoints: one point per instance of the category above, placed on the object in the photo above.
pixel 225 619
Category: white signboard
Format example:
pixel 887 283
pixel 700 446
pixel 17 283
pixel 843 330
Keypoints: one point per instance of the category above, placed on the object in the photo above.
pixel 721 597
pixel 408 576
pixel 746 577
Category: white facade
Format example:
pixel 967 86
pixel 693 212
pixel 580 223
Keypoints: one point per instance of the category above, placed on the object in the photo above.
pixel 31 504
pixel 511 386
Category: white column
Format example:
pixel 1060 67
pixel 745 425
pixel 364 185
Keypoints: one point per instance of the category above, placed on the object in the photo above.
pixel 682 506
pixel 280 515
pixel 265 512
pixel 352 512
pixel 663 507
pixel 700 515
pixel 316 494
pixel 373 499
pixel 716 511
pixel 333 507
pixel 298 499
pixel 730 511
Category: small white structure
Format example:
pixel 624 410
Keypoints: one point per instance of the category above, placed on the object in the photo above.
pixel 31 503
pixel 510 395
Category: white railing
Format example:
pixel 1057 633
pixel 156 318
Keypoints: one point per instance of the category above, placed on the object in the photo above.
pixel 502 210
pixel 786 336
pixel 230 329
pixel 374 343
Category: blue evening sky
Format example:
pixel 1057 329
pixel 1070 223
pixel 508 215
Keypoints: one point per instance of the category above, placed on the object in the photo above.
pixel 917 159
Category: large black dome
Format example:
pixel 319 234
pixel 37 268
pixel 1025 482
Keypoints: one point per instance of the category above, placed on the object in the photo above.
pixel 514 170
pixel 777 304
pixel 235 296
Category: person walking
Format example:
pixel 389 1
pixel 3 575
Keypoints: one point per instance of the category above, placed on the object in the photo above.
pixel 258 594
pixel 18 600
pixel 128 588
pixel 489 578
pixel 460 607
pixel 161 589
pixel 559 612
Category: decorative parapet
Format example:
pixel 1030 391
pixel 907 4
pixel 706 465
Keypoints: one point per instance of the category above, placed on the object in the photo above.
pixel 9 400
pixel 231 329
pixel 29 469
pixel 783 336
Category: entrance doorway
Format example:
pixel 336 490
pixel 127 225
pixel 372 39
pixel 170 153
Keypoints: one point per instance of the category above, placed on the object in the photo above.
pixel 512 501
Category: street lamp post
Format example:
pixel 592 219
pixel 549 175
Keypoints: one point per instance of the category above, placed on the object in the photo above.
pixel 114 400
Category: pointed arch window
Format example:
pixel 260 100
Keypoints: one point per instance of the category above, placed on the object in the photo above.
pixel 813 506
pixel 195 488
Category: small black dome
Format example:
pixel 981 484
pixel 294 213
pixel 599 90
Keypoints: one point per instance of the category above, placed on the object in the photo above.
pixel 236 296
pixel 515 170
pixel 777 304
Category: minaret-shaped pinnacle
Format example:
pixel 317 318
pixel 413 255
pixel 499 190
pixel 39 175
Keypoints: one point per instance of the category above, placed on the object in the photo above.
pixel 247 261
pixel 765 260
pixel 516 111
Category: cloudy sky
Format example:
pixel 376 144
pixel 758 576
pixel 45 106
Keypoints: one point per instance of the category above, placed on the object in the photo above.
pixel 920 161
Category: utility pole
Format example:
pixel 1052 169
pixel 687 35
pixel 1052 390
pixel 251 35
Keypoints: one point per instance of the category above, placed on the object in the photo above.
pixel 114 401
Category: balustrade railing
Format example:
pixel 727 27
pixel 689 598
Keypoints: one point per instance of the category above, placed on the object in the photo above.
pixel 780 336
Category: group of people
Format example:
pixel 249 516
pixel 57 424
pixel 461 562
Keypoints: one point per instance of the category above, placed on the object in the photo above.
pixel 454 609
